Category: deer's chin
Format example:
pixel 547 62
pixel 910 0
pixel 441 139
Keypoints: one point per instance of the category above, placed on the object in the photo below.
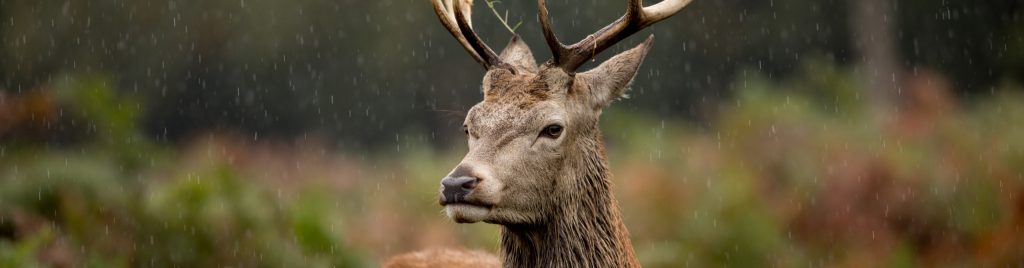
pixel 466 213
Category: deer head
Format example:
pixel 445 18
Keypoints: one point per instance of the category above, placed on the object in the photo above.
pixel 535 149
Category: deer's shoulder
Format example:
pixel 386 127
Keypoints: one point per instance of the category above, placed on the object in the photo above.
pixel 432 258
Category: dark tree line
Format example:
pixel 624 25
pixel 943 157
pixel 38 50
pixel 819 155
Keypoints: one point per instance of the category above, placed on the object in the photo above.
pixel 352 70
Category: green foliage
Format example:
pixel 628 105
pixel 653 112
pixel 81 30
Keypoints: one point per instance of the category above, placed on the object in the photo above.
pixel 113 116
pixel 213 217
pixel 504 20
pixel 22 253
pixel 196 218
pixel 791 173
pixel 92 205
pixel 797 172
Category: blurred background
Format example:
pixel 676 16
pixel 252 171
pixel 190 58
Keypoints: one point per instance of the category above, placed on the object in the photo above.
pixel 313 133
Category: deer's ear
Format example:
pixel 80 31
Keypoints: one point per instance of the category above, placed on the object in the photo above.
pixel 518 55
pixel 611 79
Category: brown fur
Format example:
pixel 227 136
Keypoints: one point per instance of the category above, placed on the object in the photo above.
pixel 552 196
pixel 443 258
pixel 551 193
pixel 586 230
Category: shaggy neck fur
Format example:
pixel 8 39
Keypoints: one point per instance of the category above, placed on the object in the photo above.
pixel 585 230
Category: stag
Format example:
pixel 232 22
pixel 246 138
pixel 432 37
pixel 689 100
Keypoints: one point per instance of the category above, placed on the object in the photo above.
pixel 536 162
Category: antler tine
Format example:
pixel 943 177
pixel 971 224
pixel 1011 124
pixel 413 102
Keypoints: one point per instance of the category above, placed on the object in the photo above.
pixel 490 58
pixel 637 18
pixel 454 15
pixel 558 50
pixel 448 20
pixel 663 10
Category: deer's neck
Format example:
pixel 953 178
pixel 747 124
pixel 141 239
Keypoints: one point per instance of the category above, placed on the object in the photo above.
pixel 585 231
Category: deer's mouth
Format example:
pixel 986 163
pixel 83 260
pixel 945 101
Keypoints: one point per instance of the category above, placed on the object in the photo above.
pixel 465 203
pixel 468 199
pixel 467 212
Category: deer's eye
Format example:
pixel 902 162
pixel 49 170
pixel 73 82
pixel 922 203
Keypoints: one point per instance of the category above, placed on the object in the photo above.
pixel 465 129
pixel 552 131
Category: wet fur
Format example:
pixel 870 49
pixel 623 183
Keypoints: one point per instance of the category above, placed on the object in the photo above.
pixel 586 230
pixel 554 200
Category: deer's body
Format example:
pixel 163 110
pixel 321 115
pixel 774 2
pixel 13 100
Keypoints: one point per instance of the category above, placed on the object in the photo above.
pixel 444 258
pixel 536 162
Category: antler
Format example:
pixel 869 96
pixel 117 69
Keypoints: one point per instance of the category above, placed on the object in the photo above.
pixel 637 18
pixel 455 17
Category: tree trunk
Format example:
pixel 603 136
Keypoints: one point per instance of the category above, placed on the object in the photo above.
pixel 872 23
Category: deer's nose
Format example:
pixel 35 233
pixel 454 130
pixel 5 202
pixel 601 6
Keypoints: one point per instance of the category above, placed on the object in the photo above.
pixel 455 189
